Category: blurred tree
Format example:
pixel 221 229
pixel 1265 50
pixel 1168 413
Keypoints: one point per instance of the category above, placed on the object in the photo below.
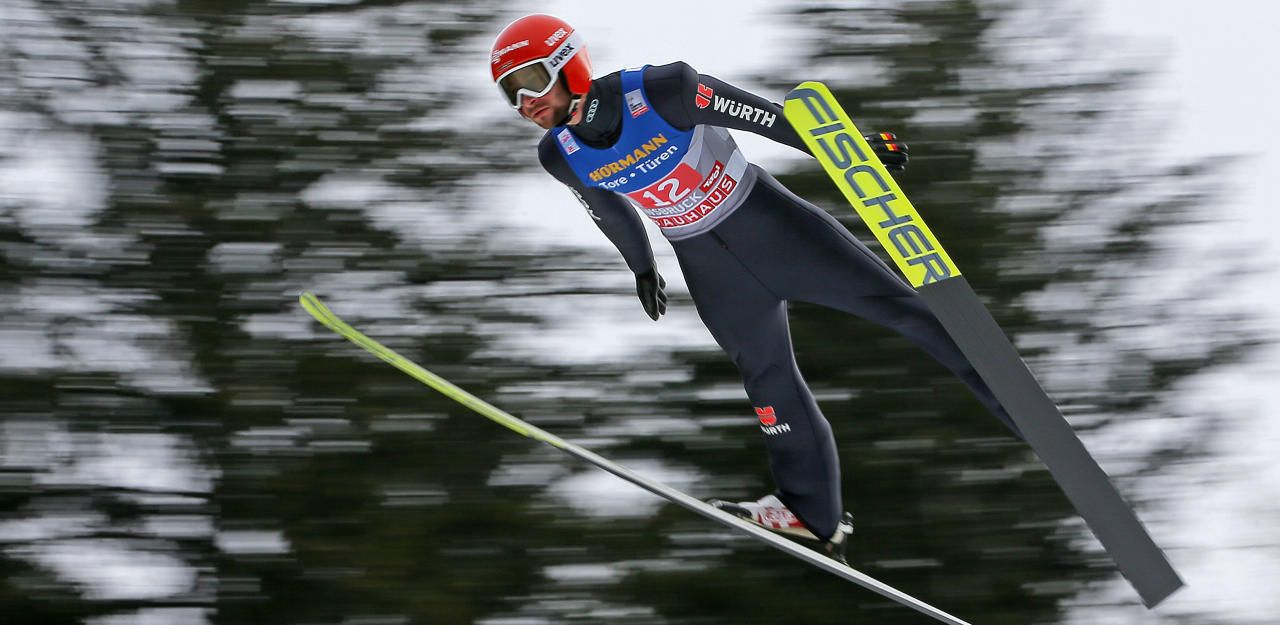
pixel 227 155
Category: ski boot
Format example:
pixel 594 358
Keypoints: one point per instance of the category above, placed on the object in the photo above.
pixel 770 513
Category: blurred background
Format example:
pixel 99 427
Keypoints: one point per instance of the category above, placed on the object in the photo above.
pixel 180 444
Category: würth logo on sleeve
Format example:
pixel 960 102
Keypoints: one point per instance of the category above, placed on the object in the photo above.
pixel 733 108
pixel 767 416
pixel 703 98
pixel 769 422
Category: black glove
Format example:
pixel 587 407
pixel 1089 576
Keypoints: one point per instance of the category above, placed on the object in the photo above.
pixel 892 152
pixel 649 287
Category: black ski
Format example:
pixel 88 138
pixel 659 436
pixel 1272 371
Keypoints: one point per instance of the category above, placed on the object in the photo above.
pixel 845 155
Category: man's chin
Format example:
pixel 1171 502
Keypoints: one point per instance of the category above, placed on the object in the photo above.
pixel 544 118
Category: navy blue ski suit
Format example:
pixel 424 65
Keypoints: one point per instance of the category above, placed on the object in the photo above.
pixel 653 140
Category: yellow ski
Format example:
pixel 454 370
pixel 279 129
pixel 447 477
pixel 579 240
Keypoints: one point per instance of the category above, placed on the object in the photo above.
pixel 313 305
pixel 845 155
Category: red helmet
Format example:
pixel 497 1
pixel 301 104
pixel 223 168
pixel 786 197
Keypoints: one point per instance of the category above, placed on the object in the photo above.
pixel 530 54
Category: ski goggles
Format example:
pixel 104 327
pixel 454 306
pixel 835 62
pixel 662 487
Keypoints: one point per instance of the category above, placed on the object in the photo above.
pixel 537 77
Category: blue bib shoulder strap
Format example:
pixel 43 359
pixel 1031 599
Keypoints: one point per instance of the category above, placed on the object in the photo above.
pixel 633 92
pixel 643 133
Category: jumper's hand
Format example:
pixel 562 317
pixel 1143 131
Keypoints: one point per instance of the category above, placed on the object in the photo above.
pixel 892 152
pixel 649 287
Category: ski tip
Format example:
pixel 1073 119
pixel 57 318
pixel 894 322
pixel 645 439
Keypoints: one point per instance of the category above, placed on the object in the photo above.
pixel 808 85
pixel 310 301
pixel 315 307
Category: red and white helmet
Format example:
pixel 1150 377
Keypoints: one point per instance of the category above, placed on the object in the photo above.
pixel 530 54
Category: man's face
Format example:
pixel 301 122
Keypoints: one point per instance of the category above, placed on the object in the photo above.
pixel 549 109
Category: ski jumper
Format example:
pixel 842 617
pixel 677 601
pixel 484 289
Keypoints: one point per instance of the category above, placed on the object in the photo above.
pixel 654 140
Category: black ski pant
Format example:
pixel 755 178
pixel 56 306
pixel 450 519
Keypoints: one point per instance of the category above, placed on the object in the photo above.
pixel 777 248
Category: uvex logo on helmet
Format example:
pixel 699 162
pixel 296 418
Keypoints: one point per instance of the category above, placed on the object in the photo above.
pixel 557 36
pixel 564 53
